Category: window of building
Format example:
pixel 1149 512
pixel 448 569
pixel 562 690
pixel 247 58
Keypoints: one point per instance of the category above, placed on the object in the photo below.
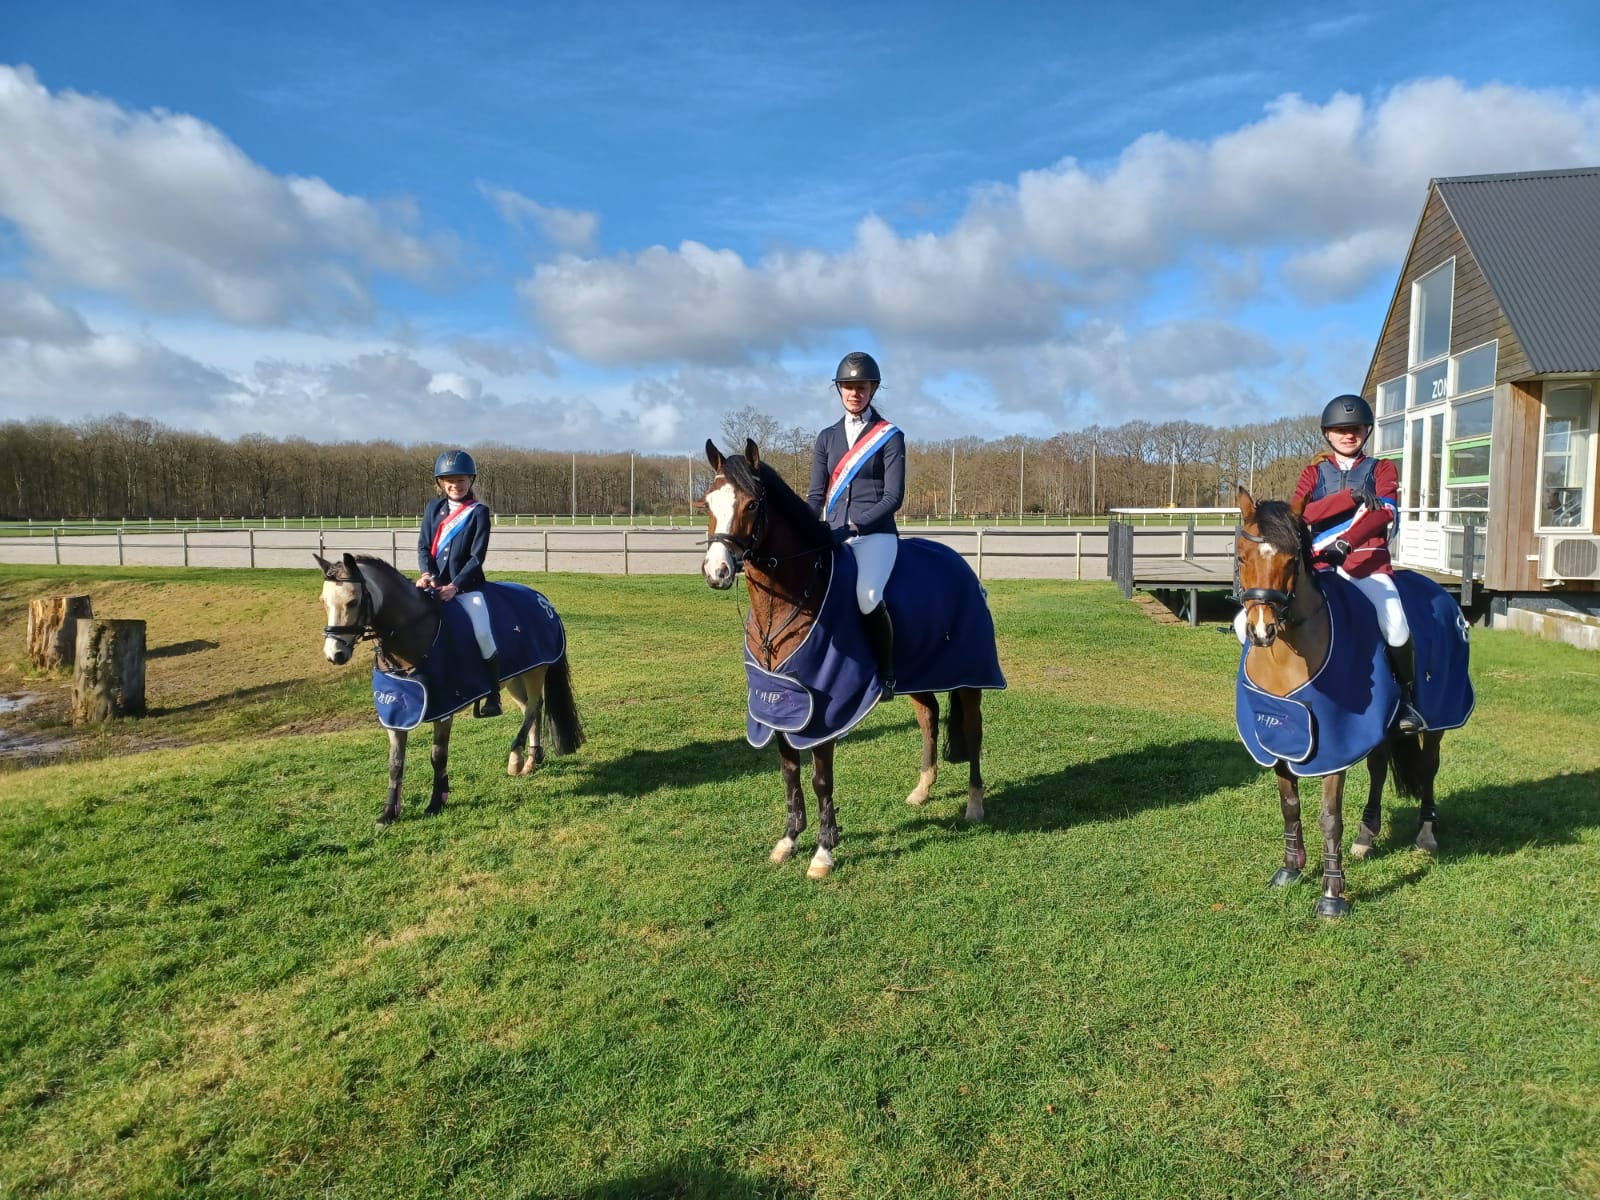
pixel 1430 315
pixel 1565 451
pixel 1391 397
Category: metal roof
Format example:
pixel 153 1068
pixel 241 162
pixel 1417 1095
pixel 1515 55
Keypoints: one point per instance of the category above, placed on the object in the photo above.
pixel 1536 236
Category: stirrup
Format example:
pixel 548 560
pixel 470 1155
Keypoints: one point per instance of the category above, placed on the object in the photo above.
pixel 885 689
pixel 487 706
pixel 1408 719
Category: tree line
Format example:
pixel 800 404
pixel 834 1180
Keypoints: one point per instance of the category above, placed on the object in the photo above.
pixel 127 468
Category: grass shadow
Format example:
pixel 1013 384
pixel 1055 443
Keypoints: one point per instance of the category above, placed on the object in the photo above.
pixel 1120 785
pixel 688 1179
pixel 250 693
pixel 1502 819
pixel 177 649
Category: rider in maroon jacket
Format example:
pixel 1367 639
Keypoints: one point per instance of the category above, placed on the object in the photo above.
pixel 1352 504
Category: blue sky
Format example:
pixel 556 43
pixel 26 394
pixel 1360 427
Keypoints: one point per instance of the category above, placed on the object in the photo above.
pixel 606 226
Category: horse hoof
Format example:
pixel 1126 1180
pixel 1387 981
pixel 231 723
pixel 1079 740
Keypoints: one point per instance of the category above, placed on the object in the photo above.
pixel 531 762
pixel 435 807
pixel 383 822
pixel 1332 908
pixel 782 851
pixel 918 797
pixel 514 764
pixel 1362 846
pixel 821 865
pixel 975 805
pixel 1425 839
pixel 1284 877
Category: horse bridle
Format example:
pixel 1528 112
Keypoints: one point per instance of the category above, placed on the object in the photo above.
pixel 739 549
pixel 361 630
pixel 1276 599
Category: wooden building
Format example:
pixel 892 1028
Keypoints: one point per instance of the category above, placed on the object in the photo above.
pixel 1484 384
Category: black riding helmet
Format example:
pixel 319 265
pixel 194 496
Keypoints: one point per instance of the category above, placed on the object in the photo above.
pixel 858 367
pixel 1347 410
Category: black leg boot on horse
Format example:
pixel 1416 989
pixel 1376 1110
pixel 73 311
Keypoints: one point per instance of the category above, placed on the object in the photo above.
pixel 1403 662
pixel 489 706
pixel 880 633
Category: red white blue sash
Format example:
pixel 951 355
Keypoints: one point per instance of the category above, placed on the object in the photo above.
pixel 872 439
pixel 451 526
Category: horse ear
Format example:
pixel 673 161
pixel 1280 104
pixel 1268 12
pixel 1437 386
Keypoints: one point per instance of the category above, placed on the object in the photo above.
pixel 1247 506
pixel 714 456
pixel 326 566
pixel 350 565
pixel 752 454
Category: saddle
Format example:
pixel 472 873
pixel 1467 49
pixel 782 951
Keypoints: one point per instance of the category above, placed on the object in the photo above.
pixel 943 639
pixel 526 630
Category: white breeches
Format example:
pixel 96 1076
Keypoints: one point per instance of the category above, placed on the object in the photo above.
pixel 1379 588
pixel 875 554
pixel 478 614
pixel 1381 593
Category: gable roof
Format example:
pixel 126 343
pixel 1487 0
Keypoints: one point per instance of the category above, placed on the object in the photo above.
pixel 1536 237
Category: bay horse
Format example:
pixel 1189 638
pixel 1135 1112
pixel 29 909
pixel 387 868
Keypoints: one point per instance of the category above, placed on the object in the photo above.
pixel 366 598
pixel 757 525
pixel 1289 635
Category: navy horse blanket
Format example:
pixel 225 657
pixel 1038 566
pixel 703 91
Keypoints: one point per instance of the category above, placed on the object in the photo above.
pixel 1343 713
pixel 527 633
pixel 943 639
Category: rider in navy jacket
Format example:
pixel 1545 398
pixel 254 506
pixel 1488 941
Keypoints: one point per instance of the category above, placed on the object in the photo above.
pixel 455 569
pixel 862 516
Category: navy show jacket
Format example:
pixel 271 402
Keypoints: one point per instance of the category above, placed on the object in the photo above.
pixel 461 562
pixel 878 489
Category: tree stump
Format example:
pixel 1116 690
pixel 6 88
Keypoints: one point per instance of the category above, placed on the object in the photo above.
pixel 52 629
pixel 108 678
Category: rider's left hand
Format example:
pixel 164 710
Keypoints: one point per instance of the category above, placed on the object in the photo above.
pixel 449 592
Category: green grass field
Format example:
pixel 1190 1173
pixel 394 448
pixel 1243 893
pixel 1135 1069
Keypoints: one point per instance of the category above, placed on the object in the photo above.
pixel 217 978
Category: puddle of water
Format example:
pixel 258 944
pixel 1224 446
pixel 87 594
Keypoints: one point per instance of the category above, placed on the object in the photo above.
pixel 12 703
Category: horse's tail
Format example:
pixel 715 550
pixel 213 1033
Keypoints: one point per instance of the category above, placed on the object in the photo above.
pixel 561 708
pixel 956 749
pixel 1408 763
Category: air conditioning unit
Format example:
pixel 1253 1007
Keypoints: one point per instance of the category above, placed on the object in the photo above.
pixel 1569 556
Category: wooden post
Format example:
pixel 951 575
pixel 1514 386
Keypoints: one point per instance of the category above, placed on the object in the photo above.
pixel 108 678
pixel 52 629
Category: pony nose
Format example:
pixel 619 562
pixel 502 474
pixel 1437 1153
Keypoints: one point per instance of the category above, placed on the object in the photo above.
pixel 717 574
pixel 335 652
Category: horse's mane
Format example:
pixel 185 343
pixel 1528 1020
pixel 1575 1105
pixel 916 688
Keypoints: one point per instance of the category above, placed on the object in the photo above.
pixel 811 529
pixel 341 573
pixel 1280 526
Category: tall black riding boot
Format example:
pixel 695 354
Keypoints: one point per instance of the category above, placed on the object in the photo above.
pixel 1403 661
pixel 880 633
pixel 489 706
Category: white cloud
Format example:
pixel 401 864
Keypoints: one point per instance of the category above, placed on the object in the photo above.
pixel 28 314
pixel 564 228
pixel 164 210
pixel 1333 188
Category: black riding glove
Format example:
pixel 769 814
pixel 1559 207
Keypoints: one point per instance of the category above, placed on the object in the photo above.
pixel 840 533
pixel 1367 498
pixel 1335 554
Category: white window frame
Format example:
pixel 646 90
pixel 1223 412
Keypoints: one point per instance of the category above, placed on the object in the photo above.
pixel 1586 522
pixel 1415 339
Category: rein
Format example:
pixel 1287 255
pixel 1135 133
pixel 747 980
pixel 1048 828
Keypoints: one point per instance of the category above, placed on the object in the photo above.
pixel 364 627
pixel 743 553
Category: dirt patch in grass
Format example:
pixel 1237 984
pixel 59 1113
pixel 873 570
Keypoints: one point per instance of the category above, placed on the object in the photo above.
pixel 223 660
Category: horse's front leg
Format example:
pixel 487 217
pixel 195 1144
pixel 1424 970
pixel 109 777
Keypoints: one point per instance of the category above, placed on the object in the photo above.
pixel 1372 815
pixel 1333 904
pixel 794 798
pixel 1294 848
pixel 397 772
pixel 440 758
pixel 827 827
pixel 926 707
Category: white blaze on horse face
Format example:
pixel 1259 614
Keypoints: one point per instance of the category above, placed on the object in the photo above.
pixel 339 600
pixel 718 566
